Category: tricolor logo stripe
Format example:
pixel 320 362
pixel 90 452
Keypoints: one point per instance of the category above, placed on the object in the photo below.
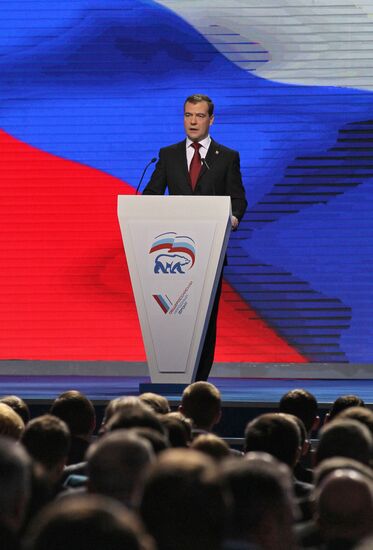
pixel 163 302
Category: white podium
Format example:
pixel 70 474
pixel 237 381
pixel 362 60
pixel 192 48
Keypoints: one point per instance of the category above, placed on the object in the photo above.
pixel 175 248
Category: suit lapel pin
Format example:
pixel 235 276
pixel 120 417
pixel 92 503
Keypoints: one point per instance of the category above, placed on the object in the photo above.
pixel 216 152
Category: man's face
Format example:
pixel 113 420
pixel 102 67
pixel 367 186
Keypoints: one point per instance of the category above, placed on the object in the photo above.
pixel 197 120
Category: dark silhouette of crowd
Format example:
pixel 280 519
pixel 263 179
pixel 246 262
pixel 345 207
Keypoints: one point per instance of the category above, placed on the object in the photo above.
pixel 149 478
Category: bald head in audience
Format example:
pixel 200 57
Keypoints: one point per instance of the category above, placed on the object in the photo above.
pixel 344 507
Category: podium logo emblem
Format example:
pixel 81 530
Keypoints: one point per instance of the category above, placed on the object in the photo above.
pixel 173 254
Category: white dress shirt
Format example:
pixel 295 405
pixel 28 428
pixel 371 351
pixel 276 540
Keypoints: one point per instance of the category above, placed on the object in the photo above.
pixel 204 143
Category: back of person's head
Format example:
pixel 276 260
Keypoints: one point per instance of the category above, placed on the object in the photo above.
pixel 361 414
pixel 11 424
pixel 344 507
pixel 137 415
pixel 344 402
pixel 47 439
pixel 116 465
pixel 183 504
pixel 348 438
pixel 18 405
pixel 179 432
pixel 212 445
pixel 158 441
pixel 330 465
pixel 88 522
pixel 263 510
pixel 201 402
pixel 158 403
pixel 277 434
pixel 15 474
pixel 74 408
pixel 302 404
pixel 114 406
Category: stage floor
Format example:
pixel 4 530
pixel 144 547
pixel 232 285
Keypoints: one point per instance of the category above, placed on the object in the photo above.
pixel 242 392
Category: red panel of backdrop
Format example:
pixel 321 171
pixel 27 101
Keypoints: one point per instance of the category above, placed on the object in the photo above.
pixel 65 288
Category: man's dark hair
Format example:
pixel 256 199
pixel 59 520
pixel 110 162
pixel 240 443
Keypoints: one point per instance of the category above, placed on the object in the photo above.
pixel 275 433
pixel 85 523
pixel 116 404
pixel 179 432
pixel 76 410
pixel 344 402
pixel 117 463
pixel 158 441
pixel 47 439
pixel 15 475
pixel 261 487
pixel 198 98
pixel 348 438
pixel 137 415
pixel 211 445
pixel 158 403
pixel 201 402
pixel 361 414
pixel 18 405
pixel 300 403
pixel 183 505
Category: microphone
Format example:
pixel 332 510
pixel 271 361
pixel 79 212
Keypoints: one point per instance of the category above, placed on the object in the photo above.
pixel 204 162
pixel 143 174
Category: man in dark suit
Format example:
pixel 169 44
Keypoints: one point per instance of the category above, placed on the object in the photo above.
pixel 199 165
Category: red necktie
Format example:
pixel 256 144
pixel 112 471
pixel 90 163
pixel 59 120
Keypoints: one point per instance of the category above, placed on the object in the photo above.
pixel 195 165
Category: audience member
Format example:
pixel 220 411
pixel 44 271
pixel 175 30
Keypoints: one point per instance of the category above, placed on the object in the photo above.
pixel 361 414
pixel 178 430
pixel 201 402
pixel 263 509
pixel 137 415
pixel 47 439
pixel 302 404
pixel 277 434
pixel 87 522
pixel 301 472
pixel 184 494
pixel 78 412
pixel 11 424
pixel 116 465
pixel 330 465
pixel 114 406
pixel 157 403
pixel 341 403
pixel 15 475
pixel 183 503
pixel 344 509
pixel 18 405
pixel 348 438
pixel 159 442
pixel 212 445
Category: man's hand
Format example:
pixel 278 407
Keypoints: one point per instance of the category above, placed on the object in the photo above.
pixel 234 223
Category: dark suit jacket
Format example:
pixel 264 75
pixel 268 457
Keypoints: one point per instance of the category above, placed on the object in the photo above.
pixel 220 175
